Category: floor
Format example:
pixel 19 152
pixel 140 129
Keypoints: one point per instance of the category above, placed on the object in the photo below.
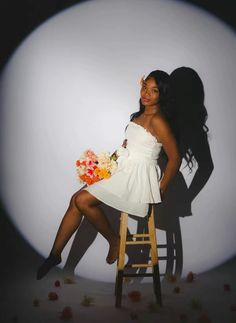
pixel 209 297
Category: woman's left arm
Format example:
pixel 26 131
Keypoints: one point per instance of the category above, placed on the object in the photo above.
pixel 164 135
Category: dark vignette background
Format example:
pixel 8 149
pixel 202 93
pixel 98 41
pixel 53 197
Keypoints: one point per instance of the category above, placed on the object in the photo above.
pixel 17 19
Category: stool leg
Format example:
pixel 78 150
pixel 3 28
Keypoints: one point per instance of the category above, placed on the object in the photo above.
pixel 154 258
pixel 121 258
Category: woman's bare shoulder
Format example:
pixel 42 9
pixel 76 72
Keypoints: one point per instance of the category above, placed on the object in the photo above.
pixel 159 121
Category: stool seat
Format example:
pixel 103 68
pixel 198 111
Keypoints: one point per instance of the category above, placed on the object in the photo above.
pixel 139 239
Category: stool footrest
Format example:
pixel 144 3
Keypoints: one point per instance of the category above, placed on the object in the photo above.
pixel 138 235
pixel 138 242
pixel 138 275
pixel 138 266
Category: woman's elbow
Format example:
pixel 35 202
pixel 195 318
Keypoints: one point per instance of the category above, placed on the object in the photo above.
pixel 177 161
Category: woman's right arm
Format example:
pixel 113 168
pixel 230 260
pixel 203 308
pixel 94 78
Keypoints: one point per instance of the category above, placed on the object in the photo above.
pixel 164 135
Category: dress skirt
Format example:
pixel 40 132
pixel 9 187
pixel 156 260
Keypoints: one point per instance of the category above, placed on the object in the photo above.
pixel 135 183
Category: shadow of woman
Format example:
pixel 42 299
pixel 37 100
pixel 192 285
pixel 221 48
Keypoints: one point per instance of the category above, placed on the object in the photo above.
pixel 187 117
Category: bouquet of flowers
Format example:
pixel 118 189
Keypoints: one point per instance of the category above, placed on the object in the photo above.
pixel 92 168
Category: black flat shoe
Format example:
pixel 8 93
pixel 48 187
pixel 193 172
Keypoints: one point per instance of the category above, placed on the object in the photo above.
pixel 49 263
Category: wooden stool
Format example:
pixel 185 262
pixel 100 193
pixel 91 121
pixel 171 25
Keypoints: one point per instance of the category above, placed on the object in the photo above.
pixel 148 238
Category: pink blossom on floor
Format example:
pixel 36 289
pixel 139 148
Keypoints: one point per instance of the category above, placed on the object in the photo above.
pixel 57 283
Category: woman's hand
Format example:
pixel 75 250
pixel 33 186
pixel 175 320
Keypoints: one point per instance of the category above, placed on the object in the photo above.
pixel 124 143
pixel 115 155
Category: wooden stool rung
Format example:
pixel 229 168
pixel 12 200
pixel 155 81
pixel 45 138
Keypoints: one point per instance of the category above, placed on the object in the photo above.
pixel 139 275
pixel 138 235
pixel 138 265
pixel 138 242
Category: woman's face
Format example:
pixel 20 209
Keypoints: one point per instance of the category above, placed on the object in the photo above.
pixel 149 92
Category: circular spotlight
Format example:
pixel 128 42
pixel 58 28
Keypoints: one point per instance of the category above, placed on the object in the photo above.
pixel 72 85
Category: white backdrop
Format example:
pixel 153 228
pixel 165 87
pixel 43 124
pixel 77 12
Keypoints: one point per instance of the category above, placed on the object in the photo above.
pixel 72 85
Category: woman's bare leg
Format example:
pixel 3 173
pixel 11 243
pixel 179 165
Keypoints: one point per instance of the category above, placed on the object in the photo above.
pixel 89 207
pixel 68 226
pixel 84 203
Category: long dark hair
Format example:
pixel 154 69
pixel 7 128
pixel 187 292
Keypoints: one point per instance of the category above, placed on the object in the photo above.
pixel 162 80
pixel 188 113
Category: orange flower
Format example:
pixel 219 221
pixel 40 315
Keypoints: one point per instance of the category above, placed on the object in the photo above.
pixel 103 173
pixel 66 314
pixel 190 277
pixel 52 296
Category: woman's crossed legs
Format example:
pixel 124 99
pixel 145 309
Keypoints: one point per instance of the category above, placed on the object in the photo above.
pixel 81 204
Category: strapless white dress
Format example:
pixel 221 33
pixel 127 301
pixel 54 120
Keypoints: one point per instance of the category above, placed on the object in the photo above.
pixel 135 183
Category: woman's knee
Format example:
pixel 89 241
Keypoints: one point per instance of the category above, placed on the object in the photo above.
pixel 83 200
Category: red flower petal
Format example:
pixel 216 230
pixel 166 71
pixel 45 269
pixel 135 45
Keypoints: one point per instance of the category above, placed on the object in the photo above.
pixel 134 296
pixel 66 314
pixel 190 277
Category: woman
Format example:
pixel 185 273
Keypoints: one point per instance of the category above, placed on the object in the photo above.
pixel 135 184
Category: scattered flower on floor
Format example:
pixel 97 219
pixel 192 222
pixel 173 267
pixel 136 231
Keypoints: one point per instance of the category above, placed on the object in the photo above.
pixel 87 301
pixel 69 280
pixel 66 313
pixel 57 283
pixel 134 296
pixel 52 296
pixel 190 277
